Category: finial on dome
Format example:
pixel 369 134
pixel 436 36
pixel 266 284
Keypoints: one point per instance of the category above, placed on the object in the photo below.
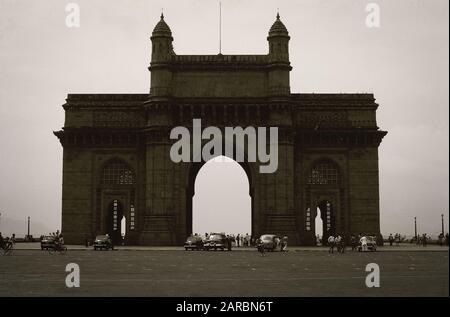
pixel 161 27
pixel 278 28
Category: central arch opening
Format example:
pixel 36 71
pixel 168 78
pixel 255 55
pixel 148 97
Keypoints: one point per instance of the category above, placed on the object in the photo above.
pixel 221 200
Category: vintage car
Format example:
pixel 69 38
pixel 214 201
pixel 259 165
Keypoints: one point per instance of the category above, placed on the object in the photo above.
pixel 193 243
pixel 47 242
pixel 270 241
pixel 370 241
pixel 216 241
pixel 103 242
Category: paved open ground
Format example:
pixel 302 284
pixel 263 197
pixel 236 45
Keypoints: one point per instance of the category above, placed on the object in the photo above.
pixel 157 272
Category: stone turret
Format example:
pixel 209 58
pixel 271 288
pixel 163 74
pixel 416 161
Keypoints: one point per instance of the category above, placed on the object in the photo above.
pixel 162 50
pixel 279 41
pixel 279 59
pixel 162 40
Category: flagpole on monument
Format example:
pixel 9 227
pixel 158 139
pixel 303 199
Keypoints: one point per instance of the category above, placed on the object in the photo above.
pixel 220 27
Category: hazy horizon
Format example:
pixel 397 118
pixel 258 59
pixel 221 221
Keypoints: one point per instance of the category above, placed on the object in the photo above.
pixel 404 63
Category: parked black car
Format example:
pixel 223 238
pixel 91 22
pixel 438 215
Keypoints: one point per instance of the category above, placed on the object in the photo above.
pixel 216 241
pixel 47 242
pixel 193 243
pixel 103 242
pixel 270 241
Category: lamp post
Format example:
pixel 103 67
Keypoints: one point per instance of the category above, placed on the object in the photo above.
pixel 442 223
pixel 415 228
pixel 28 234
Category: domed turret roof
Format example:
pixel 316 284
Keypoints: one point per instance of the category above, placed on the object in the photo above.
pixel 162 29
pixel 278 28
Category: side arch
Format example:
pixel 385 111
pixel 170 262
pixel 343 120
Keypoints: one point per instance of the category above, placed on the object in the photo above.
pixel 325 182
pixel 116 181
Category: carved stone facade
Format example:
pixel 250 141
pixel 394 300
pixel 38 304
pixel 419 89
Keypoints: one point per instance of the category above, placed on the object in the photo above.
pixel 116 149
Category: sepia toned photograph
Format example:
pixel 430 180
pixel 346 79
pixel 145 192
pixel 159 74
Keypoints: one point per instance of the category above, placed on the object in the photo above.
pixel 224 155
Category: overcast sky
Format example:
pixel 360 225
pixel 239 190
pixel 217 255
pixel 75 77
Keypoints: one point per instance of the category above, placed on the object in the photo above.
pixel 404 63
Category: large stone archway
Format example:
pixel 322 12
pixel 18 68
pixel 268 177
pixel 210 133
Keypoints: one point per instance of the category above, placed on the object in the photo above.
pixel 222 91
pixel 195 168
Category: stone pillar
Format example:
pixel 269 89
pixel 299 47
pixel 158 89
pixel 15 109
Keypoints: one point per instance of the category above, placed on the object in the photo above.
pixel 277 199
pixel 77 193
pixel 364 191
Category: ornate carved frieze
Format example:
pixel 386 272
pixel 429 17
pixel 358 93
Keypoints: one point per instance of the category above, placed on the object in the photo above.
pixel 339 138
pixel 104 101
pixel 98 138
pixel 334 101
pixel 322 119
pixel 119 118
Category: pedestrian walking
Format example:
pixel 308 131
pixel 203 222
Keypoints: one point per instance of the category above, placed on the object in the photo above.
pixel 353 242
pixel 342 244
pixel 247 240
pixel 391 240
pixel 284 242
pixel 424 240
pixel 363 242
pixel 441 239
pixel 338 241
pixel 331 243
pixel 260 246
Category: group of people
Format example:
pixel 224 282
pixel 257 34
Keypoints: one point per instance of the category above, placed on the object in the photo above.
pixel 7 241
pixel 58 238
pixel 420 239
pixel 443 239
pixel 397 239
pixel 424 239
pixel 242 240
pixel 239 240
pixel 336 241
